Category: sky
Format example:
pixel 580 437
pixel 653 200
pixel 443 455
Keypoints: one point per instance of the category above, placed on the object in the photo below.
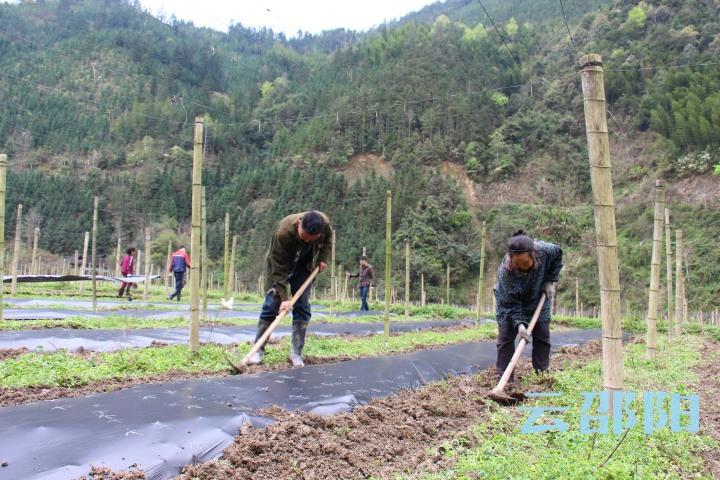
pixel 287 16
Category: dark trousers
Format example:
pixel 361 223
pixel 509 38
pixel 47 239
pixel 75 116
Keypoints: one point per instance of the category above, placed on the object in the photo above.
pixel 125 288
pixel 179 284
pixel 540 346
pixel 301 310
pixel 363 298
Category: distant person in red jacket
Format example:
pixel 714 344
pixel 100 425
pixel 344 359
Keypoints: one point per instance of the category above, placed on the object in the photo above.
pixel 179 263
pixel 127 267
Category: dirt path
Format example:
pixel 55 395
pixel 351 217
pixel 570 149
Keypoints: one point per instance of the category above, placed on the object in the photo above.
pixel 709 390
pixel 401 433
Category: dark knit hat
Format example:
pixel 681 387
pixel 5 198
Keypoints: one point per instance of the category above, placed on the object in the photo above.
pixel 520 243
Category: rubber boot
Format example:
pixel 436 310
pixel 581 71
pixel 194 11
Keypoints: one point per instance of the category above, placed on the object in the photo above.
pixel 257 358
pixel 121 292
pixel 297 343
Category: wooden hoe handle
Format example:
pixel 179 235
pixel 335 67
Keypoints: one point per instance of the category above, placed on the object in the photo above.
pixel 261 341
pixel 519 350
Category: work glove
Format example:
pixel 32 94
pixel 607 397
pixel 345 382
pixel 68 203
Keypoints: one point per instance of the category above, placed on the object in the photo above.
pixel 522 331
pixel 549 289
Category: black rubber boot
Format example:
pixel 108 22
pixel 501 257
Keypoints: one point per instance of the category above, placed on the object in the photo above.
pixel 121 292
pixel 297 343
pixel 257 358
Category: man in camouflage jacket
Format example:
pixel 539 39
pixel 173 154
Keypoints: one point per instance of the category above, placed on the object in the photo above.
pixel 301 242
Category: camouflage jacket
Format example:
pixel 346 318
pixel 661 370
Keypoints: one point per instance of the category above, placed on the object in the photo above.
pixel 284 252
pixel 517 294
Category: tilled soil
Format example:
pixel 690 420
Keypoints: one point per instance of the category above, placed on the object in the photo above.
pixel 8 353
pixel 709 390
pixel 401 433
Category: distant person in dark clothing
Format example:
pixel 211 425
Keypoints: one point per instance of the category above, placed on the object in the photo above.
pixel 127 268
pixel 179 264
pixel 529 269
pixel 366 279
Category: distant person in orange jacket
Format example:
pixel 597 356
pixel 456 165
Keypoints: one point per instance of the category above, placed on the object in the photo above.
pixel 179 264
pixel 127 267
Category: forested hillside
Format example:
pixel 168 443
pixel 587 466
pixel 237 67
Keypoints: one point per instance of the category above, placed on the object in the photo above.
pixel 464 119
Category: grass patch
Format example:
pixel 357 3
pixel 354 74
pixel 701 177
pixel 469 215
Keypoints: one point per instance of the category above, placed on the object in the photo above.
pixel 65 369
pixel 504 452
pixel 434 310
pixel 107 291
pixel 114 322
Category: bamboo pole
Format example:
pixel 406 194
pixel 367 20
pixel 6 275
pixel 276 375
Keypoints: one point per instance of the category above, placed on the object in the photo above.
pixel 678 282
pixel 226 258
pixel 604 210
pixel 577 296
pixel 204 272
pixel 669 273
pixel 195 254
pixel 447 284
pixel 93 266
pixel 166 270
pixel 83 265
pixel 481 275
pixel 3 189
pixel 231 265
pixel 388 261
pixel 407 279
pixel 34 260
pixel 655 266
pixel 16 250
pixel 148 255
pixel 118 254
pixel 333 277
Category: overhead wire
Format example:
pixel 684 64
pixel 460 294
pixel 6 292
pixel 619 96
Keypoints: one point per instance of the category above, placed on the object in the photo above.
pixel 502 37
pixel 572 40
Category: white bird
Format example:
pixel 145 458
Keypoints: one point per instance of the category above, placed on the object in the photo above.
pixel 227 304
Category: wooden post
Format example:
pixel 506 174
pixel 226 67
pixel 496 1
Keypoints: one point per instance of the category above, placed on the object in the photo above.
pixel 3 189
pixel 77 263
pixel 341 292
pixel 16 250
pixel 333 279
pixel 168 277
pixel 231 266
pixel 655 265
pixel 407 279
pixel 83 264
pixel 481 276
pixel 195 254
pixel 204 272
pixel 345 279
pixel 388 260
pixel 422 289
pixel 226 258
pixel 577 297
pixel 93 265
pixel 447 284
pixel 34 261
pixel 604 208
pixel 678 282
pixel 118 253
pixel 669 273
pixel 146 283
